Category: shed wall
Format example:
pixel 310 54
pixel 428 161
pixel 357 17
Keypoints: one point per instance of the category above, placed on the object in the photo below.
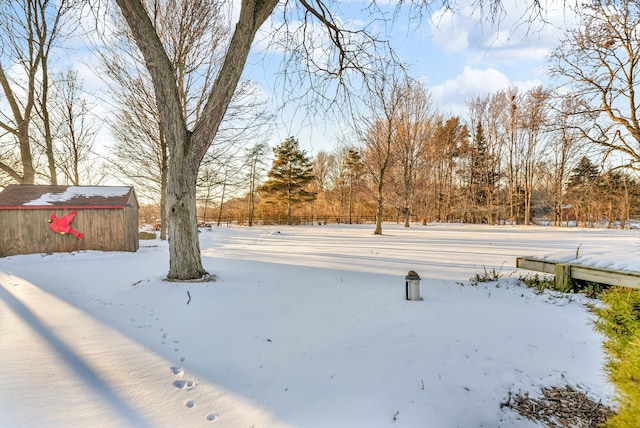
pixel 26 231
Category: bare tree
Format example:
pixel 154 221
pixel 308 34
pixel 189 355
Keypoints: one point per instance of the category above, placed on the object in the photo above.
pixel 442 155
pixel 415 116
pixel 221 170
pixel 511 102
pixel 188 144
pixel 52 19
pixel 330 201
pixel 377 129
pixel 566 127
pixel 191 32
pixel 28 30
pixel 488 112
pixel 140 149
pixel 324 163
pixel 353 169
pixel 255 159
pixel 602 60
pixel 534 118
pixel 75 132
pixel 347 50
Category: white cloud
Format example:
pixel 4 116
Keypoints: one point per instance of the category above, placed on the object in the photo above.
pixel 452 95
pixel 448 31
pixel 473 81
pixel 512 37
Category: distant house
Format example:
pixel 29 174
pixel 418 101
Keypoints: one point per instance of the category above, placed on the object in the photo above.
pixel 107 216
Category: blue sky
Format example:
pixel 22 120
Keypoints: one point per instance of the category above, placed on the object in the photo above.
pixel 475 57
pixel 459 56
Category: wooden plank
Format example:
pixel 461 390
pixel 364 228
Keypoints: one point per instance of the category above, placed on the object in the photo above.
pixel 586 273
pixel 606 276
pixel 563 277
pixel 531 263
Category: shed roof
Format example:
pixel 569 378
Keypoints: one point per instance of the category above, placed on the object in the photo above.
pixel 27 196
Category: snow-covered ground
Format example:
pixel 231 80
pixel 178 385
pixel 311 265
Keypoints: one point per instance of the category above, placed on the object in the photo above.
pixel 306 327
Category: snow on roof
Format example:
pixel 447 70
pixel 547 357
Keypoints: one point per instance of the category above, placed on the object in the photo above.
pixel 77 192
pixel 23 196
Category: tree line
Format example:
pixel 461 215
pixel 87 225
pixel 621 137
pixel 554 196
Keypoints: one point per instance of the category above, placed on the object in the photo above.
pixel 515 166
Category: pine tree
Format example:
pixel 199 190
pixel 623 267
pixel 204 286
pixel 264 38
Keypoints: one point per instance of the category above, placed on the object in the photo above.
pixel 478 168
pixel 582 189
pixel 584 175
pixel 354 166
pixel 289 176
pixel 482 176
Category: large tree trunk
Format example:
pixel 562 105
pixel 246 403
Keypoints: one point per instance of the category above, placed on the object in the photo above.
pixel 379 213
pixel 380 210
pixel 28 171
pixel 184 248
pixel 48 137
pixel 187 149
pixel 164 196
pixel 21 132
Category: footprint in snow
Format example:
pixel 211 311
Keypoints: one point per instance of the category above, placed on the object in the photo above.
pixel 212 417
pixel 190 404
pixel 184 384
pixel 177 370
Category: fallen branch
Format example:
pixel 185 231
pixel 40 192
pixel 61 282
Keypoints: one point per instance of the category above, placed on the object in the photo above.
pixel 560 407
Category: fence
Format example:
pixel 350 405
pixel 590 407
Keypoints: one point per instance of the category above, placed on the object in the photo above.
pixel 565 272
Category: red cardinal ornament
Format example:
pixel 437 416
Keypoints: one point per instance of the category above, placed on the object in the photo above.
pixel 61 225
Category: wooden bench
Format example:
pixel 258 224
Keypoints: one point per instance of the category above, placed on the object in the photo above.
pixel 564 272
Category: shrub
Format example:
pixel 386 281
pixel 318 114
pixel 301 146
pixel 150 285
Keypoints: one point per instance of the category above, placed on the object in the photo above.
pixel 592 290
pixel 538 282
pixel 486 276
pixel 619 320
pixel 547 282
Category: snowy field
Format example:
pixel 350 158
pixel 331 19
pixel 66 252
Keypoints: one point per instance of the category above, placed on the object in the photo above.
pixel 306 327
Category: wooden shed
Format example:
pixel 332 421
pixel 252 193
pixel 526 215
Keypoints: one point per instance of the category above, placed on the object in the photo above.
pixel 107 216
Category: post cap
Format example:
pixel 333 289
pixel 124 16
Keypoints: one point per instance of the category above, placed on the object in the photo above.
pixel 412 275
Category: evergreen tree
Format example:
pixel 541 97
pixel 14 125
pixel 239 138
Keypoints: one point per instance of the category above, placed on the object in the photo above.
pixel 478 171
pixel 584 175
pixel 289 176
pixel 582 190
pixel 482 176
pixel 354 166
